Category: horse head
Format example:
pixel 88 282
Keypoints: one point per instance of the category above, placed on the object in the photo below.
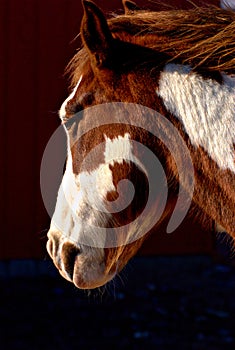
pixel 124 63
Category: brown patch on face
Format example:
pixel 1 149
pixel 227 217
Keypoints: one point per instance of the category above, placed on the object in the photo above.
pixel 85 155
pixel 128 171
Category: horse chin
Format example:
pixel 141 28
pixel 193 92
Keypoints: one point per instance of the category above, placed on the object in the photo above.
pixel 97 282
pixel 87 277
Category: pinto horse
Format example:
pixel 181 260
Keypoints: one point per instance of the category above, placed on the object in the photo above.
pixel 179 66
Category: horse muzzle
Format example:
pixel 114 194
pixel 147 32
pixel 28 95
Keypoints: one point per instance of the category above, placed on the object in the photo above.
pixel 82 265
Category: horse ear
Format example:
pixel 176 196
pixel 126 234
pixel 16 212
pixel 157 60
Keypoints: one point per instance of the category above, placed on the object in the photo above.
pixel 130 7
pixel 95 32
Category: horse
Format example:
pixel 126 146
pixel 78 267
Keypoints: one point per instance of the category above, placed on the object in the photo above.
pixel 178 65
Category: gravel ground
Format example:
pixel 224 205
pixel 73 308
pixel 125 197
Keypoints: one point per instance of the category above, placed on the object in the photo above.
pixel 156 303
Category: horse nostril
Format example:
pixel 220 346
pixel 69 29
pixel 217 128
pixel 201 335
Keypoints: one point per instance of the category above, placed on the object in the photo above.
pixel 53 245
pixel 69 253
pixel 50 247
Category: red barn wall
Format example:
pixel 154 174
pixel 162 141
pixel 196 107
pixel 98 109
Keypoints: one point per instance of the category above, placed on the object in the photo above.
pixel 36 39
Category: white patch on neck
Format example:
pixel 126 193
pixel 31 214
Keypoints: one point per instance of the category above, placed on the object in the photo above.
pixel 205 108
pixel 62 111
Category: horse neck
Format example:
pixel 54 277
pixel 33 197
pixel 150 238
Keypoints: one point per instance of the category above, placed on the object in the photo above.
pixel 205 110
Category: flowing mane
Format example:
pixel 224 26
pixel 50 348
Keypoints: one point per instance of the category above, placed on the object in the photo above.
pixel 201 37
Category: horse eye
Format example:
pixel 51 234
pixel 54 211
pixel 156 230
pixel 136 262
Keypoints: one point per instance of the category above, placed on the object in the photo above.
pixel 86 99
pixel 72 108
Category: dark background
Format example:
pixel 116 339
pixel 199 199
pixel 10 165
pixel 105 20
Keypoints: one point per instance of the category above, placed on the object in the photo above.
pixel 177 294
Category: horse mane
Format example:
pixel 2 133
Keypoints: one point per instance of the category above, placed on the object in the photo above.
pixel 201 37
